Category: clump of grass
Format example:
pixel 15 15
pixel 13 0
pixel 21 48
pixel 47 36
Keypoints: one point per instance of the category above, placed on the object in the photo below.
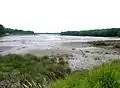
pixel 29 71
pixel 116 46
pixel 106 76
pixel 98 43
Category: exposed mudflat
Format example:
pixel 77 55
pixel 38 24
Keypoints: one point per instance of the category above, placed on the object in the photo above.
pixel 81 55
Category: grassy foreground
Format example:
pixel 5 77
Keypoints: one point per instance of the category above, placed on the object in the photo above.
pixel 106 76
pixel 28 71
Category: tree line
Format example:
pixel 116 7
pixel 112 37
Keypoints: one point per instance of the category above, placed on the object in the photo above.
pixel 4 31
pixel 112 32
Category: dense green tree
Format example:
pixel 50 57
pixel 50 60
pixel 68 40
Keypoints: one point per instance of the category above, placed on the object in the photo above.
pixel 97 32
pixel 118 34
pixel 4 30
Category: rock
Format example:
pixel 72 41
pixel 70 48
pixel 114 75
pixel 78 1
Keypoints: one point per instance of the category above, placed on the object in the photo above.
pixel 92 52
pixel 73 58
pixel 66 55
pixel 23 47
pixel 97 52
pixel 14 40
pixel 71 55
pixel 107 52
pixel 86 56
pixel 97 58
pixel 58 54
pixel 18 49
pixel 83 54
pixel 73 48
pixel 87 51
pixel 114 53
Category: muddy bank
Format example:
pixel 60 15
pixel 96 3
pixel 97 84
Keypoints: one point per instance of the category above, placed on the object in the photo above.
pixel 82 52
pixel 96 53
pixel 80 55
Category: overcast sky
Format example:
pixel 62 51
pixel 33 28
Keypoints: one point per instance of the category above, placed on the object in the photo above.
pixel 59 15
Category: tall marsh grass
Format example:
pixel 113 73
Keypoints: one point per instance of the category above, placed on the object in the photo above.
pixel 106 76
pixel 29 71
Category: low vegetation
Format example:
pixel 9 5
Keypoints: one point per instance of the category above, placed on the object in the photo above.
pixel 112 43
pixel 98 43
pixel 28 71
pixel 112 32
pixel 105 76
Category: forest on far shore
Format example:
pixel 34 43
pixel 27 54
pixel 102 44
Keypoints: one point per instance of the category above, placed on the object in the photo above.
pixel 111 32
pixel 10 31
